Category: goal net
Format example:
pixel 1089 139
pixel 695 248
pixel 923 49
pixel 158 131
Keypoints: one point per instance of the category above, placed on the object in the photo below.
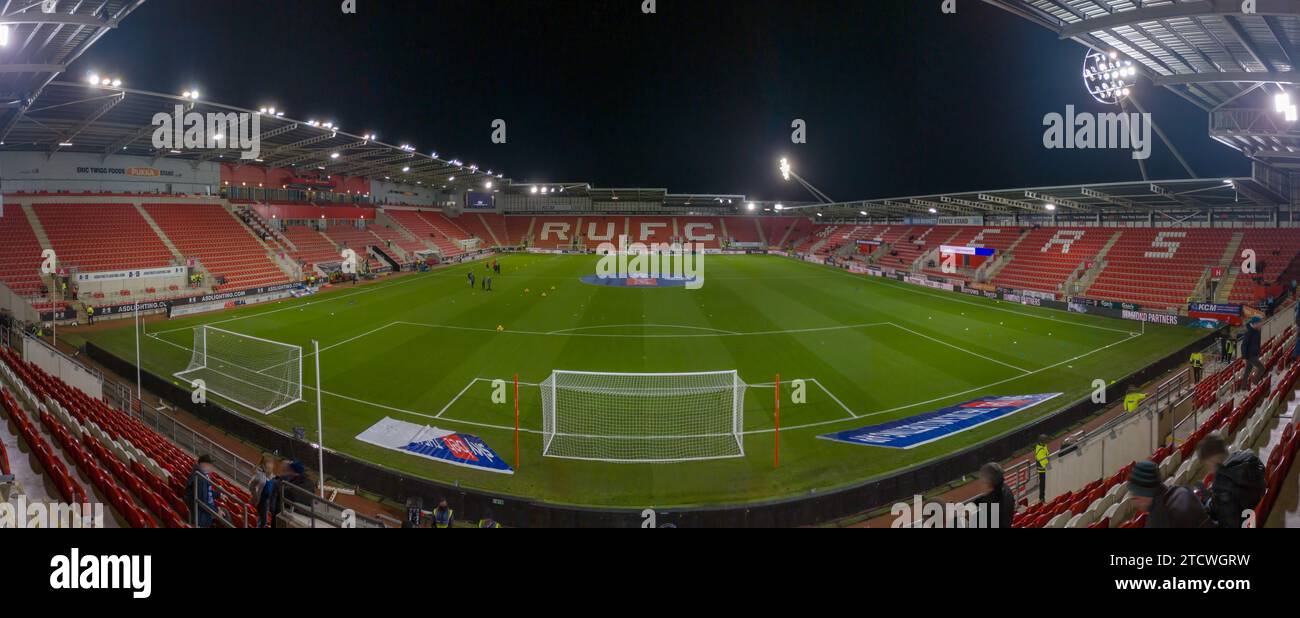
pixel 259 374
pixel 643 417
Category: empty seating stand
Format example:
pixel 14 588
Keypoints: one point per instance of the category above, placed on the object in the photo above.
pixel 350 237
pixel 419 225
pixel 102 237
pixel 313 248
pixel 1048 256
pixel 221 243
pixel 20 253
pixel 1158 268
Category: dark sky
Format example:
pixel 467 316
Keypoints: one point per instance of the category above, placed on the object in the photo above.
pixel 899 99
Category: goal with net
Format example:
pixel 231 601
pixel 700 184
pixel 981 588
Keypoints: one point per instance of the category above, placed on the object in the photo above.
pixel 259 374
pixel 643 417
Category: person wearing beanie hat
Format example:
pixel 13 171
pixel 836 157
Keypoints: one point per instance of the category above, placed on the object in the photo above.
pixel 1166 507
pixel 1238 484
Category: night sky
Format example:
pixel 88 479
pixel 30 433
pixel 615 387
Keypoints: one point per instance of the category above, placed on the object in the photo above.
pixel 899 98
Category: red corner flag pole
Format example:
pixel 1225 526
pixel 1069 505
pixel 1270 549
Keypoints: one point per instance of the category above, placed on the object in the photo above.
pixel 776 460
pixel 516 421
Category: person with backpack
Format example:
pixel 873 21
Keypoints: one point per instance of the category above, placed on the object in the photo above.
pixel 1166 507
pixel 1238 484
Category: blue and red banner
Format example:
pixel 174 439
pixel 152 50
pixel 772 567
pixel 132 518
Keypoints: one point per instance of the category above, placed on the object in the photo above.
pixel 457 449
pixel 921 429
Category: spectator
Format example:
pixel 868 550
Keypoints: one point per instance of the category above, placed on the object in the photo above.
pixel 1166 507
pixel 443 515
pixel 200 490
pixel 265 470
pixel 1239 481
pixel 1133 399
pixel 997 497
pixel 1250 349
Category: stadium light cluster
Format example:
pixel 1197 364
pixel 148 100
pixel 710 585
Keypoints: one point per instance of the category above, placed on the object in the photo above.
pixel 94 79
pixel 1285 106
pixel 1108 79
pixel 271 111
pixel 192 95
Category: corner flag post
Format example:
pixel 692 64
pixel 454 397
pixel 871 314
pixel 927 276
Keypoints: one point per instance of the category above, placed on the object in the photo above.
pixel 320 426
pixel 776 460
pixel 516 421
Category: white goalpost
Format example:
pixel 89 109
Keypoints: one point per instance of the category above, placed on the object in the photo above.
pixel 643 417
pixel 256 373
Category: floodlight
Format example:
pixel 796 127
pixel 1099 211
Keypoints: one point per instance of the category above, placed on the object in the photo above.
pixel 4 35
pixel 1050 206
pixel 534 190
pixel 750 206
pixel 487 185
pixel 785 168
pixel 780 207
pixel 933 211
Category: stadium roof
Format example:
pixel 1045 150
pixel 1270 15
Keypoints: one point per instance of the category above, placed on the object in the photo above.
pixel 1154 197
pixel 37 46
pixel 104 120
pixel 1209 52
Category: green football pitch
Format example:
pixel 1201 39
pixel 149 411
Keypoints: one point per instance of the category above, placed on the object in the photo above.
pixel 426 349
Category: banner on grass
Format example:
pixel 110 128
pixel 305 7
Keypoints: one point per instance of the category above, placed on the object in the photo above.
pixel 921 429
pixel 457 449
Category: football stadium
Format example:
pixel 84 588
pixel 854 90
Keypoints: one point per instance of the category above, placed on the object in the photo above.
pixel 241 313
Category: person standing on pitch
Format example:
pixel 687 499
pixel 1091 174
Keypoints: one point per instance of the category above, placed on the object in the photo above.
pixel 1042 456
pixel 471 279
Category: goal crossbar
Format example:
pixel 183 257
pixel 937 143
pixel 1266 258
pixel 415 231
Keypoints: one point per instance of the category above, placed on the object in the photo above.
pixel 253 372
pixel 643 417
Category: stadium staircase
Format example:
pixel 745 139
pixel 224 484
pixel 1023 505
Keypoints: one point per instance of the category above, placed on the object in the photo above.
pixel 359 240
pixel 1274 250
pixel 1043 265
pixel 158 230
pixel 224 246
pixel 762 237
pixel 1253 419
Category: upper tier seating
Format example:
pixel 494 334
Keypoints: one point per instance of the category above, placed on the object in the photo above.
pixel 1049 255
pixel 220 242
pixel 20 253
pixel 102 237
pixel 1158 276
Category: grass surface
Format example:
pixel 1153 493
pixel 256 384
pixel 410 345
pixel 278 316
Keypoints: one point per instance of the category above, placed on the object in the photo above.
pixel 424 349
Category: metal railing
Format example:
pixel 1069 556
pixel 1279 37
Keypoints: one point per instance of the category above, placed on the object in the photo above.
pixel 317 510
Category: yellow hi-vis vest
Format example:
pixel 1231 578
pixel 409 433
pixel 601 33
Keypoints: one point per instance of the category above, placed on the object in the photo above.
pixel 1041 453
pixel 1132 400
pixel 1198 360
pixel 442 519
